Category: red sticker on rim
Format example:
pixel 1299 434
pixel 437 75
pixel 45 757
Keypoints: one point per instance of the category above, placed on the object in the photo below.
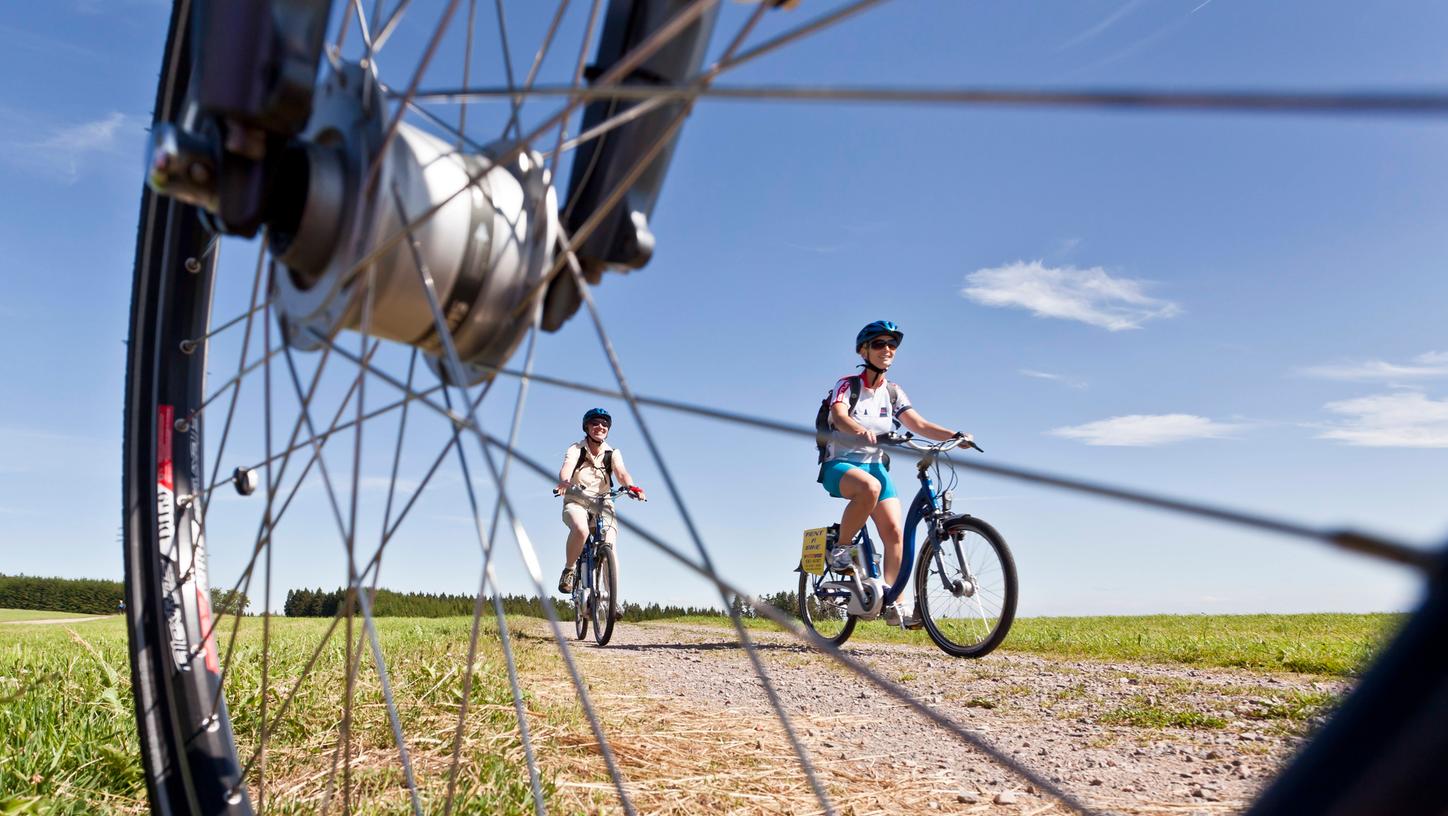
pixel 165 422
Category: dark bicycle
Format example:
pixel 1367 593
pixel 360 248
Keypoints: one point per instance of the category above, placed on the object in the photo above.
pixel 595 593
pixel 965 579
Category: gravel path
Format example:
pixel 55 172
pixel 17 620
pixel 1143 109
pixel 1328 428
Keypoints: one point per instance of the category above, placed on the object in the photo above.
pixel 1123 737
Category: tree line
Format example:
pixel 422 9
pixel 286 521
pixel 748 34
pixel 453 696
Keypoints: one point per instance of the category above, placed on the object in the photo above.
pixel 320 603
pixel 89 596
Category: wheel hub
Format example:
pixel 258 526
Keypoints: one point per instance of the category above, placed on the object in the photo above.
pixel 485 248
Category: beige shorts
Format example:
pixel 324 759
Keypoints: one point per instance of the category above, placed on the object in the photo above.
pixel 578 513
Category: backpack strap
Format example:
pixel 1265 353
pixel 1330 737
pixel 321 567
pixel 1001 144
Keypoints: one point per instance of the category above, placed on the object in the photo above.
pixel 857 382
pixel 607 463
pixel 894 401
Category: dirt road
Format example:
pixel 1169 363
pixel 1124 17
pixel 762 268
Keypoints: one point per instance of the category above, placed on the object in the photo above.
pixel 693 729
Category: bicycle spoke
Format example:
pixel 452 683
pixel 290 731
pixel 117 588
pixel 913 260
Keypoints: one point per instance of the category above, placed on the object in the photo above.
pixel 532 761
pixel 507 54
pixel 520 535
pixel 267 569
pixel 385 32
pixel 577 82
pixel 1349 540
pixel 1223 101
pixel 246 315
pixel 374 166
pixel 236 392
pixel 397 451
pixel 621 69
pixel 486 543
pixel 789 624
pixel 758 664
pixel 467 67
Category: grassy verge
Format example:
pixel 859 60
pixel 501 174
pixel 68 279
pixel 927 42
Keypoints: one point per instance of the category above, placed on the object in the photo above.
pixel 1330 644
pixel 68 742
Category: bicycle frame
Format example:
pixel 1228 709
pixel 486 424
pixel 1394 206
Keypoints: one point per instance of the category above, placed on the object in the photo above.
pixel 927 504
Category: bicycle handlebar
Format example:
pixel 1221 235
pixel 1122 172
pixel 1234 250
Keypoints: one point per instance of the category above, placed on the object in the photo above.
pixel 621 489
pixel 907 440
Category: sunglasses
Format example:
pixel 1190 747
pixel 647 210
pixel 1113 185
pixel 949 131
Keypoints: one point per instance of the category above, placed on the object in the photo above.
pixel 592 422
pixel 883 342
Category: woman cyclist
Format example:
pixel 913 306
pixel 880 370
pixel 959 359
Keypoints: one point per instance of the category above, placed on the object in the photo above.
pixel 855 469
pixel 588 468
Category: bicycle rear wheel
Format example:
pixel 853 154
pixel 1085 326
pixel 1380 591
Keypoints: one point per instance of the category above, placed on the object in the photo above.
pixel 823 610
pixel 605 594
pixel 965 588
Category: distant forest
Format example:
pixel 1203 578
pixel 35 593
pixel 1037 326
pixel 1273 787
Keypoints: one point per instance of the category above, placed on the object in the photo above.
pixel 89 596
pixel 86 596
pixel 318 603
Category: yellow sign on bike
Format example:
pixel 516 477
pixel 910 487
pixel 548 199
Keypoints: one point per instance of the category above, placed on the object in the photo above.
pixel 812 556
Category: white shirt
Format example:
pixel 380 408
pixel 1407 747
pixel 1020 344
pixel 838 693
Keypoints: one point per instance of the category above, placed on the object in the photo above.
pixel 874 412
pixel 591 478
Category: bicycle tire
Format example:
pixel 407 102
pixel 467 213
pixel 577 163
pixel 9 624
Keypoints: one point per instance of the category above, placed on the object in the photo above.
pixel 605 594
pixel 1002 617
pixel 582 600
pixel 806 593
pixel 187 747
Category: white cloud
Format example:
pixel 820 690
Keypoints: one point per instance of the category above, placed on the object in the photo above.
pixel 1428 365
pixel 64 150
pixel 1091 296
pixel 1403 419
pixel 1144 430
pixel 1069 382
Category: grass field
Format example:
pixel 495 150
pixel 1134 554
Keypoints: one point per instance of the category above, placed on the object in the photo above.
pixel 15 615
pixel 67 729
pixel 67 734
pixel 1330 644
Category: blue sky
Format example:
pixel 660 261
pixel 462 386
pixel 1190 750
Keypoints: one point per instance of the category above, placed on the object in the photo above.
pixel 1243 309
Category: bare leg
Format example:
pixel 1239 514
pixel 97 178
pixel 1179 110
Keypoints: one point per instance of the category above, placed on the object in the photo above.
pixel 887 523
pixel 863 491
pixel 577 534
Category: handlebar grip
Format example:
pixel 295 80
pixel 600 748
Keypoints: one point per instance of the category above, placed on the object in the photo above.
pixel 977 447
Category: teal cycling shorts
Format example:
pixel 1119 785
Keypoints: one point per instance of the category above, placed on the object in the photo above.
pixel 832 471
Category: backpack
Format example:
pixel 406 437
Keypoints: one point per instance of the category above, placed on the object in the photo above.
pixel 822 417
pixel 607 464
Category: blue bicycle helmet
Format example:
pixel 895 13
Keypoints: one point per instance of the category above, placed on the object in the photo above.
pixel 877 328
pixel 594 413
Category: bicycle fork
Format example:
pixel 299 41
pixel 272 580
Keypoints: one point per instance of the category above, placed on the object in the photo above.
pixel 963 586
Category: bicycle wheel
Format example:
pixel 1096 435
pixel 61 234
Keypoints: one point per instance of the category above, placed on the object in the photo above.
pixel 190 751
pixel 968 608
pixel 582 600
pixel 185 730
pixel 825 611
pixel 605 594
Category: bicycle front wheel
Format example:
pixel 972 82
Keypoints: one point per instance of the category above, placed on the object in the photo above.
pixel 823 610
pixel 582 599
pixel 605 594
pixel 965 588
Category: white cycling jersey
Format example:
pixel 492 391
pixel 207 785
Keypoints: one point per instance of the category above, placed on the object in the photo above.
pixel 874 411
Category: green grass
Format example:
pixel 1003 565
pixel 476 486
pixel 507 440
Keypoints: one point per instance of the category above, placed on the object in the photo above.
pixel 13 615
pixel 67 728
pixel 67 733
pixel 1145 712
pixel 1329 644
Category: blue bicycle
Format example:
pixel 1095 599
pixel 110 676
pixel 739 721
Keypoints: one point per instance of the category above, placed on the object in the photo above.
pixel 965 579
pixel 595 592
